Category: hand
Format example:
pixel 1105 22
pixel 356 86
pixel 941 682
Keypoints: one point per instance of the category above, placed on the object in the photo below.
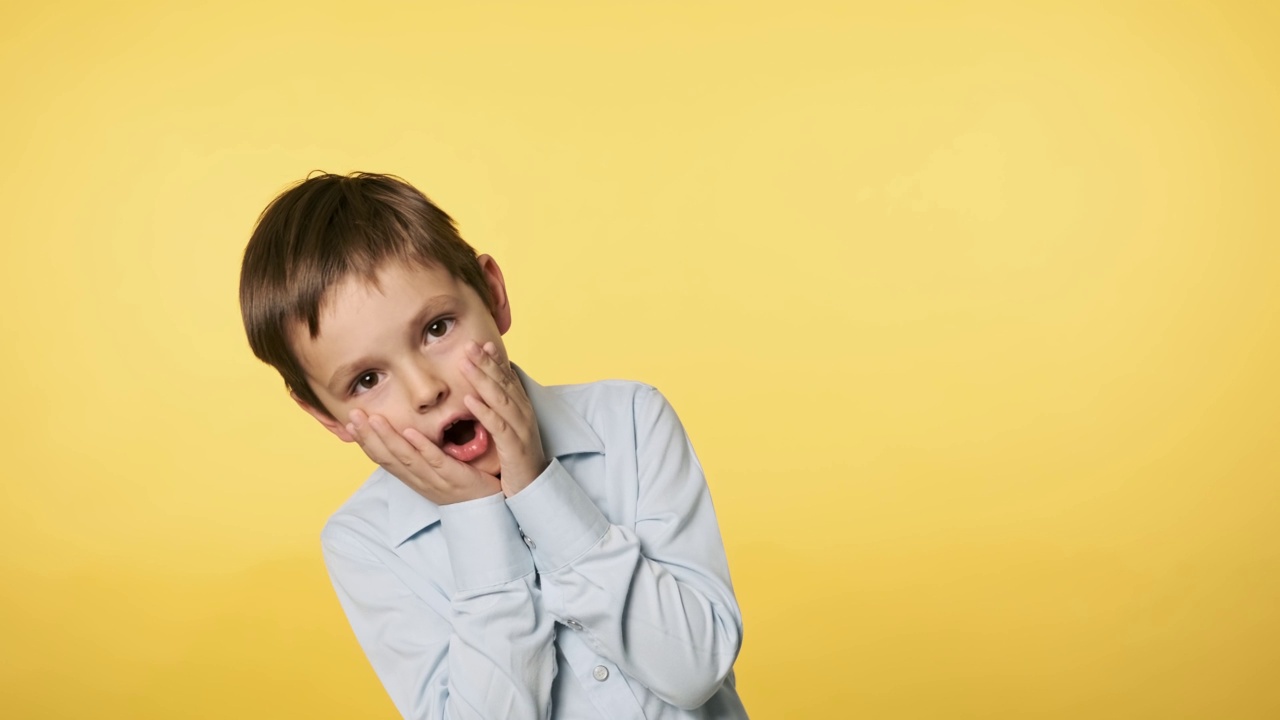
pixel 412 457
pixel 503 408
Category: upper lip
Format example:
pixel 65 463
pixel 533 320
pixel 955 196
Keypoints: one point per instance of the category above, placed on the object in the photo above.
pixel 450 420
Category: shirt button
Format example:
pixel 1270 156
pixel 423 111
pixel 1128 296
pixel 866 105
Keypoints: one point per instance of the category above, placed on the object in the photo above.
pixel 601 673
pixel 528 541
pixel 574 624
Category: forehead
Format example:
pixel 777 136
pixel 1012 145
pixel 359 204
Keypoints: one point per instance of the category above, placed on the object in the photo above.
pixel 359 315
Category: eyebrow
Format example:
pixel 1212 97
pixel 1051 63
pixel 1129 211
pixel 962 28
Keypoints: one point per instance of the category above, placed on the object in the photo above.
pixel 431 307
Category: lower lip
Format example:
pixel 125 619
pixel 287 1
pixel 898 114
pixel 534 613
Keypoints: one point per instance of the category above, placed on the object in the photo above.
pixel 470 450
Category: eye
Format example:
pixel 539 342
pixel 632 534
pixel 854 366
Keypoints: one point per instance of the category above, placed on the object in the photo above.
pixel 365 382
pixel 438 329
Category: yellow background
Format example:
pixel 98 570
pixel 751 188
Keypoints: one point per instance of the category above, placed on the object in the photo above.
pixel 970 309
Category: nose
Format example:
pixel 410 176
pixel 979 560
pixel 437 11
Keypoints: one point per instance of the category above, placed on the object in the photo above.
pixel 425 386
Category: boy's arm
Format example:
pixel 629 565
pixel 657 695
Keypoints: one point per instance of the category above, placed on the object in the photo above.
pixel 656 600
pixel 484 653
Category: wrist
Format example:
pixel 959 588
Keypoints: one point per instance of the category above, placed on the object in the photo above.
pixel 484 543
pixel 521 480
pixel 455 495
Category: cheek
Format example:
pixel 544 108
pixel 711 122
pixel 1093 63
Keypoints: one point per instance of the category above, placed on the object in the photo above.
pixel 450 367
pixel 392 406
pixel 389 405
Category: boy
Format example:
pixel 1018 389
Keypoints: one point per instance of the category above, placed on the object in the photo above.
pixel 522 551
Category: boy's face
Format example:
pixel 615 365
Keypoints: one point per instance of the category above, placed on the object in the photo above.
pixel 396 350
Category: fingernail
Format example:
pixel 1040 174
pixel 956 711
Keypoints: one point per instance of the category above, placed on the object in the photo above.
pixel 351 428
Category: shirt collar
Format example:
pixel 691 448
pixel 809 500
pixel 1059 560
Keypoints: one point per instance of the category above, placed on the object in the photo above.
pixel 564 432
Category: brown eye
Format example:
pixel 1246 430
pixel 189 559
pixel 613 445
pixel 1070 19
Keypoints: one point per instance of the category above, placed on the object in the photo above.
pixel 439 329
pixel 367 381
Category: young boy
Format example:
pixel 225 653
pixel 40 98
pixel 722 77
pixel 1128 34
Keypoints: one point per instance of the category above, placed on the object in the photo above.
pixel 523 551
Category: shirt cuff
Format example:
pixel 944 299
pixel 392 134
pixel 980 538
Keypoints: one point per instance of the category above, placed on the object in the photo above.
pixel 558 519
pixel 485 547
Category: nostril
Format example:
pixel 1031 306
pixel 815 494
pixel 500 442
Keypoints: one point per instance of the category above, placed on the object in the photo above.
pixel 426 401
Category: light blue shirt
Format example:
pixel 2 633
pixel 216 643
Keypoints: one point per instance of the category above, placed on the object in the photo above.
pixel 601 590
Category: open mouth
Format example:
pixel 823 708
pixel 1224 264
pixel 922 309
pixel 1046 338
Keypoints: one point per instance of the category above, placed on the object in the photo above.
pixel 460 432
pixel 465 440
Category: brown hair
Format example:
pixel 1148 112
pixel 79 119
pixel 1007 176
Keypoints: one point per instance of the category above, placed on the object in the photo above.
pixel 323 230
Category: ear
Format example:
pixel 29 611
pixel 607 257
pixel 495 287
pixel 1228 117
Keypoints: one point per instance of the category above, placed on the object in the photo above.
pixel 323 418
pixel 501 308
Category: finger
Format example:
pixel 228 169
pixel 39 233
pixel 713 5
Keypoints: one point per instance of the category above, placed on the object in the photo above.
pixel 519 449
pixel 421 460
pixel 448 472
pixel 496 409
pixel 486 359
pixel 434 456
pixel 492 350
pixel 404 453
pixel 497 389
pixel 507 370
pixel 502 431
pixel 503 365
pixel 420 442
pixel 445 468
pixel 367 438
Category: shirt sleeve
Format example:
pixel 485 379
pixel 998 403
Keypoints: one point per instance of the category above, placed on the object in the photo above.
pixel 655 599
pixel 484 653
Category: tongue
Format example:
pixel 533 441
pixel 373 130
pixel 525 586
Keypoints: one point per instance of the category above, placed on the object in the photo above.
pixel 466 443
